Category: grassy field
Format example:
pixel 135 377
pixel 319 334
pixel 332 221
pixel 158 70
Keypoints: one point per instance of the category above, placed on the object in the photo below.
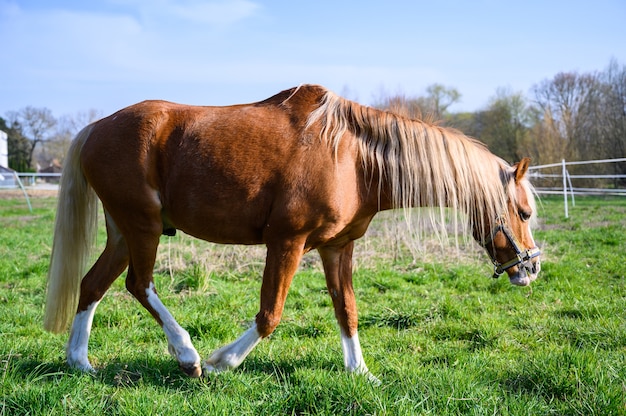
pixel 443 336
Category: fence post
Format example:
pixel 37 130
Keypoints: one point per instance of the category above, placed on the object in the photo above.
pixel 571 188
pixel 19 182
pixel 565 188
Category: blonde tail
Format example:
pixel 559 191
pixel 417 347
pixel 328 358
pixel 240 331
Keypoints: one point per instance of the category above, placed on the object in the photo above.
pixel 74 236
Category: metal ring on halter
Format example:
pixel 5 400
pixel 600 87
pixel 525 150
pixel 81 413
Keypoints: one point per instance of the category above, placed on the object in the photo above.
pixel 522 255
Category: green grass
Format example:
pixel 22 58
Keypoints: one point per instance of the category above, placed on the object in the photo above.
pixel 443 336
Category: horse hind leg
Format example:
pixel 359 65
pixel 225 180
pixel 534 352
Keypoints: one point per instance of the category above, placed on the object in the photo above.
pixel 179 341
pixel 94 285
pixel 139 282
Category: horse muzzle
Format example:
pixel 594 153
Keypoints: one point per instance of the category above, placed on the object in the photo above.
pixel 526 272
pixel 524 267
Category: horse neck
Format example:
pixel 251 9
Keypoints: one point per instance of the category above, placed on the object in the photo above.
pixel 408 163
pixel 429 166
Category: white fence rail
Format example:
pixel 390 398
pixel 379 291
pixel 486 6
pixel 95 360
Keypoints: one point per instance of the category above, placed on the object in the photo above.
pixel 49 181
pixel 567 189
pixel 36 179
pixel 27 181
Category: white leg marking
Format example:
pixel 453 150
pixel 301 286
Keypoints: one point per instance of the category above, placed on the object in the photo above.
pixel 77 345
pixel 353 357
pixel 179 341
pixel 231 355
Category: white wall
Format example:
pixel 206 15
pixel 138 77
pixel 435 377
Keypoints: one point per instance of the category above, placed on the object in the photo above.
pixel 4 150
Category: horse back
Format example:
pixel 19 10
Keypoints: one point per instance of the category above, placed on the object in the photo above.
pixel 223 174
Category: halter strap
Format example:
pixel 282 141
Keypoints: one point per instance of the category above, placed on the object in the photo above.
pixel 522 255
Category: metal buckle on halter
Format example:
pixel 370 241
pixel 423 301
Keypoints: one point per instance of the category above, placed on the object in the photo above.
pixel 522 256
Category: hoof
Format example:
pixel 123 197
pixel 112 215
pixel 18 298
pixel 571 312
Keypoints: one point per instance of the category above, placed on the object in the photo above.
pixel 83 366
pixel 192 370
pixel 209 368
pixel 373 380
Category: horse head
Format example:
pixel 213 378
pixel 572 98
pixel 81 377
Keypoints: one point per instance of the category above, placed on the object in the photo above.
pixel 510 243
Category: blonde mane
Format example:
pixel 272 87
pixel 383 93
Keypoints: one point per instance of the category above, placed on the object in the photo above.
pixel 424 165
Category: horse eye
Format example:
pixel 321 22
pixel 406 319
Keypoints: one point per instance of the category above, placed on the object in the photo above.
pixel 524 215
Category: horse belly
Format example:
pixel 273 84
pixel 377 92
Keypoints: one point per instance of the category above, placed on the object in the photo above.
pixel 215 220
pixel 221 192
pixel 223 232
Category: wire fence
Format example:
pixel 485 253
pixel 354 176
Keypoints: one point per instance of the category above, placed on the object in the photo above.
pixel 560 174
pixel 25 182
pixel 549 179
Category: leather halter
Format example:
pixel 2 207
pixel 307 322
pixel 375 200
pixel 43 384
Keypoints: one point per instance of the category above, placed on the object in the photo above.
pixel 522 255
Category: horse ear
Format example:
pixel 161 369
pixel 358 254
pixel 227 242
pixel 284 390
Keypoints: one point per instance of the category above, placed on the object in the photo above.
pixel 521 168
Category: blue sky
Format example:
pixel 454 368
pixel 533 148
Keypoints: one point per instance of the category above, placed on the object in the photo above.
pixel 75 55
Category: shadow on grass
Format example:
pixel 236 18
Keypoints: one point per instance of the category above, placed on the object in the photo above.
pixel 163 372
pixel 159 372
pixel 33 371
pixel 282 369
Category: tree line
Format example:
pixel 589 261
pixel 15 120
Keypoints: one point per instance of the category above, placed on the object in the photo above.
pixel 37 139
pixel 573 116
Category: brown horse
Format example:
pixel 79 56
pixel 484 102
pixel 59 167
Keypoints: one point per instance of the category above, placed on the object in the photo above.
pixel 302 170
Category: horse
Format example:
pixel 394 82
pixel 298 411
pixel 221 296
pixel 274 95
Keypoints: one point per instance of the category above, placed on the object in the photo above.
pixel 302 170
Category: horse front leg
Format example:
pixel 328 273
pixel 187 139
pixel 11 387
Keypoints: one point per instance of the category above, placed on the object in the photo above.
pixel 281 264
pixel 337 263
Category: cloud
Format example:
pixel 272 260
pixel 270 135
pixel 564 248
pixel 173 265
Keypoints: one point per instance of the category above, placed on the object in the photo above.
pixel 65 42
pixel 166 49
pixel 221 13
pixel 134 39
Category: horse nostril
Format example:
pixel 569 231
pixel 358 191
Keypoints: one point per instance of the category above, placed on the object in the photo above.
pixel 535 266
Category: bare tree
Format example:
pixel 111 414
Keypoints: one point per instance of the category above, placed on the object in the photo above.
pixel 401 104
pixel 612 118
pixel 440 98
pixel 505 125
pixel 35 124
pixel 582 117
pixel 432 107
pixel 54 149
pixel 568 104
